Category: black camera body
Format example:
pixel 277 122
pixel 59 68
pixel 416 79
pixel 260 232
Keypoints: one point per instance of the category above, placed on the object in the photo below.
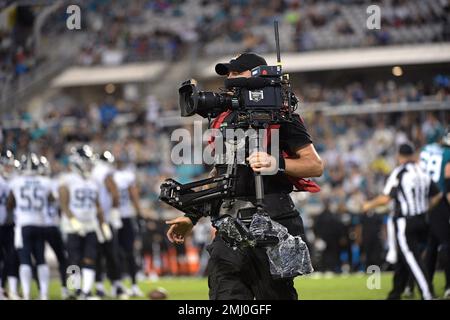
pixel 263 99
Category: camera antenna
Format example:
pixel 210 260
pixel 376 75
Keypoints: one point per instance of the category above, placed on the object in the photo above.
pixel 277 42
pixel 286 76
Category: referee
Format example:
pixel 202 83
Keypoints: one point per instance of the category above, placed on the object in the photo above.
pixel 414 193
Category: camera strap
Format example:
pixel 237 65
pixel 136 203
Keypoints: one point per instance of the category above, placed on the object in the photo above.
pixel 216 123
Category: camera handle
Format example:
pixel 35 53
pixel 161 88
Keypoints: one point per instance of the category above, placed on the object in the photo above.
pixel 254 140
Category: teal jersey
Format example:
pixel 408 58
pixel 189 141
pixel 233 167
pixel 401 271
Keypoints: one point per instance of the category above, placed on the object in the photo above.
pixel 433 159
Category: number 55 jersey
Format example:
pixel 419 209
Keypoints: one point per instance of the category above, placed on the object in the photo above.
pixel 31 194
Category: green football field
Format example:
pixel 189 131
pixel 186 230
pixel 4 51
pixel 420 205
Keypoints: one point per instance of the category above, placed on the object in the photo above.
pixel 314 287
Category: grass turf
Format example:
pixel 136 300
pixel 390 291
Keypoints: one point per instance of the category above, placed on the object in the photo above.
pixel 314 287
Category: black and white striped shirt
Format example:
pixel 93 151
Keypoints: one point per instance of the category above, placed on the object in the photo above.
pixel 411 188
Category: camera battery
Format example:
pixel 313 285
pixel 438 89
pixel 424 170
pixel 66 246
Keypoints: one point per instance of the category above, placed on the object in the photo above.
pixel 266 71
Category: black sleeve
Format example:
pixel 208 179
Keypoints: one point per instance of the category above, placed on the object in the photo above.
pixel 194 217
pixel 434 189
pixel 294 135
pixel 393 193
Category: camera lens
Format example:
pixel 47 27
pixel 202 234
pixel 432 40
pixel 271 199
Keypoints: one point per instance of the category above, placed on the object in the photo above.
pixel 204 103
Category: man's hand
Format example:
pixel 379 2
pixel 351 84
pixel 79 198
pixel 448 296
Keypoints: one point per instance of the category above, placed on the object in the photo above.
pixel 107 233
pixel 263 163
pixel 380 200
pixel 77 226
pixel 179 229
pixel 366 206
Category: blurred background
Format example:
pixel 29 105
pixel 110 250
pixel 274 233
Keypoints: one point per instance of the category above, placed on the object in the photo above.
pixel 113 84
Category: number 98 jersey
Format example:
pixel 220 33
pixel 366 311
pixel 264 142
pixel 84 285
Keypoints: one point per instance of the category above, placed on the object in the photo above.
pixel 83 195
pixel 31 195
pixel 433 159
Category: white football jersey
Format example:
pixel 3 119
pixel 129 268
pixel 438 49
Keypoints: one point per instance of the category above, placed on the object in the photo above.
pixel 100 172
pixel 31 195
pixel 125 178
pixel 4 192
pixel 83 194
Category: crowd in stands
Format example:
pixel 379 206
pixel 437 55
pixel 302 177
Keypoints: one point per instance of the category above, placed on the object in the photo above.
pixel 136 30
pixel 16 49
pixel 118 32
pixel 383 92
pixel 127 31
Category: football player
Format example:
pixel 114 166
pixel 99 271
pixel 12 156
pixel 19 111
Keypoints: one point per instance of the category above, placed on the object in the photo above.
pixel 6 222
pixel 8 254
pixel 82 216
pixel 435 160
pixel 52 232
pixel 125 179
pixel 108 250
pixel 29 196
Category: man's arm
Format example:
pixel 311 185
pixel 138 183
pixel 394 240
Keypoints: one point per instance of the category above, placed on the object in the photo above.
pixel 389 193
pixel 100 215
pixel 104 227
pixel 379 201
pixel 134 196
pixel 434 200
pixel 307 164
pixel 10 202
pixel 10 205
pixel 179 229
pixel 64 201
pixel 111 186
pixel 434 194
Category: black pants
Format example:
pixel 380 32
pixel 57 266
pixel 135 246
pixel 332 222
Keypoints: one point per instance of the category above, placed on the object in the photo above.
pixel 82 250
pixel 52 235
pixel 439 240
pixel 33 244
pixel 410 232
pixel 331 256
pixel 108 252
pixel 126 242
pixel 245 275
pixel 372 250
pixel 9 264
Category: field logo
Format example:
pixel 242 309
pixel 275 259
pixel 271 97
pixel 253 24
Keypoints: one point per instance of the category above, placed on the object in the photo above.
pixel 73 277
pixel 374 280
pixel 73 21
pixel 374 19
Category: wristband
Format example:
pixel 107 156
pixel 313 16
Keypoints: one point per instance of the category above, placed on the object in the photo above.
pixel 193 217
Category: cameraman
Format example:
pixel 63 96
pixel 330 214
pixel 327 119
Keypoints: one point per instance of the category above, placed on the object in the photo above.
pixel 245 275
